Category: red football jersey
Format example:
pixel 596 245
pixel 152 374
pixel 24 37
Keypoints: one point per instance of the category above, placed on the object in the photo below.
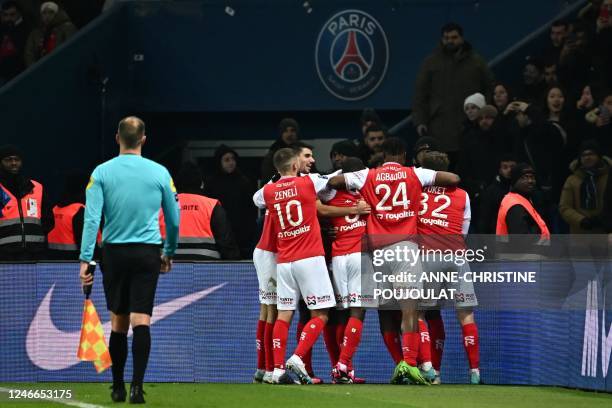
pixel 267 241
pixel 292 206
pixel 349 229
pixel 444 211
pixel 393 191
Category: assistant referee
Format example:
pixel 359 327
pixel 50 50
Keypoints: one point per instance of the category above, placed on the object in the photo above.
pixel 129 190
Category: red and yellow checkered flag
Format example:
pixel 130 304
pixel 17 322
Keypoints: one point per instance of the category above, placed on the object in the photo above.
pixel 92 346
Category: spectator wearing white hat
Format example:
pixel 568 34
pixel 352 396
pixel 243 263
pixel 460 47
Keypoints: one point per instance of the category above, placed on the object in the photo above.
pixel 55 29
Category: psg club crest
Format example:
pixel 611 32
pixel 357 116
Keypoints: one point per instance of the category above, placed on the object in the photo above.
pixel 352 55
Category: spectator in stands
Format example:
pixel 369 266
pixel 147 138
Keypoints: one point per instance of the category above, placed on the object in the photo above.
pixel 478 162
pixel 422 146
pixel 449 75
pixel 471 107
pixel 204 231
pixel 369 117
pixel 558 32
pixel 600 125
pixel 576 66
pixel 582 199
pixel 65 238
pixel 13 36
pixel 501 96
pixel 340 151
pixel 25 211
pixel 233 189
pixel 289 131
pixel 372 143
pixel 493 195
pixel 529 146
pixel 481 150
pixel 602 44
pixel 550 73
pixel 54 30
pixel 534 86
pixel 517 213
pixel 82 12
pixel 560 134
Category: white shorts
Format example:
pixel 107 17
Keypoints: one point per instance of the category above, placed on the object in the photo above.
pixel 265 265
pixel 464 295
pixel 307 278
pixel 347 281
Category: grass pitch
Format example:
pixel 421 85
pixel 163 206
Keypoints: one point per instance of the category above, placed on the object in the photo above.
pixel 94 395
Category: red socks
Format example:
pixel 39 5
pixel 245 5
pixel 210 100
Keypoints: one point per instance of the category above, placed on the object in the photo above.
pixel 425 344
pixel 470 343
pixel 394 346
pixel 308 337
pixel 329 335
pixel 436 336
pixel 279 342
pixel 259 342
pixel 307 359
pixel 352 337
pixel 410 347
pixel 269 351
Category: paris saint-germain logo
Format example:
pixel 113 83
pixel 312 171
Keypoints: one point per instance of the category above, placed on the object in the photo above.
pixel 352 55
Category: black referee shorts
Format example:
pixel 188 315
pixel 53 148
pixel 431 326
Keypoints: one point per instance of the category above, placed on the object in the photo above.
pixel 129 274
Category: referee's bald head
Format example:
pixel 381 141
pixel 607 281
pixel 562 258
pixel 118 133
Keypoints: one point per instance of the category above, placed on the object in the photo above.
pixel 131 131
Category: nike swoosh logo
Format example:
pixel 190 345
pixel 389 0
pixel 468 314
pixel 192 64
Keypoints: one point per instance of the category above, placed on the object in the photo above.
pixel 52 349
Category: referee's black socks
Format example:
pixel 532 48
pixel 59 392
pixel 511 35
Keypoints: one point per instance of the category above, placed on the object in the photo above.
pixel 118 348
pixel 141 346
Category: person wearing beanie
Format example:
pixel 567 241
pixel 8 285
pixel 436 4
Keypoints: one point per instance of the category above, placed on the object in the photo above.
pixel 54 30
pixel 25 213
pixel 340 151
pixel 478 162
pixel 204 231
pixel 233 189
pixel 517 213
pixel 582 198
pixel 289 132
pixel 451 73
pixel 423 145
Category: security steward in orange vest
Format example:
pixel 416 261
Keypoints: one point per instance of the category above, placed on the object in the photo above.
pixel 65 238
pixel 204 231
pixel 517 214
pixel 25 216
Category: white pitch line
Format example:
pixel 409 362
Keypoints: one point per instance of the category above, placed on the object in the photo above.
pixel 70 402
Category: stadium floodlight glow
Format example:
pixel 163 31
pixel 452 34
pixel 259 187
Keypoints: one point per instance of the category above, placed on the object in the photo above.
pixel 230 11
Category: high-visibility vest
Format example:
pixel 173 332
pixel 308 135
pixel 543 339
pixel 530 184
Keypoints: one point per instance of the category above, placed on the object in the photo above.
pixel 512 199
pixel 62 236
pixel 20 220
pixel 195 233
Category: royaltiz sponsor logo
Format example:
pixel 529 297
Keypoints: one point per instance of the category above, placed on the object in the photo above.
pixel 590 345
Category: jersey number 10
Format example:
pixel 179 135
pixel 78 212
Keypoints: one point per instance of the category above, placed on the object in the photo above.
pixel 292 222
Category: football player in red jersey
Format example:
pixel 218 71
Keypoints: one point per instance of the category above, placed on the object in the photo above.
pixel 393 190
pixel 444 219
pixel 264 260
pixel 346 276
pixel 301 269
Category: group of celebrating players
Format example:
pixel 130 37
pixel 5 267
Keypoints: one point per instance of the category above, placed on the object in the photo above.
pixel 388 207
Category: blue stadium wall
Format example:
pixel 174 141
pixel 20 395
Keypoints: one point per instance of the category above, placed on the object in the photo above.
pixel 208 333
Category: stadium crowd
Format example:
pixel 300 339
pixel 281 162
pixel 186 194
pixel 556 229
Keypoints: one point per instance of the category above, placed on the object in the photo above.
pixel 32 29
